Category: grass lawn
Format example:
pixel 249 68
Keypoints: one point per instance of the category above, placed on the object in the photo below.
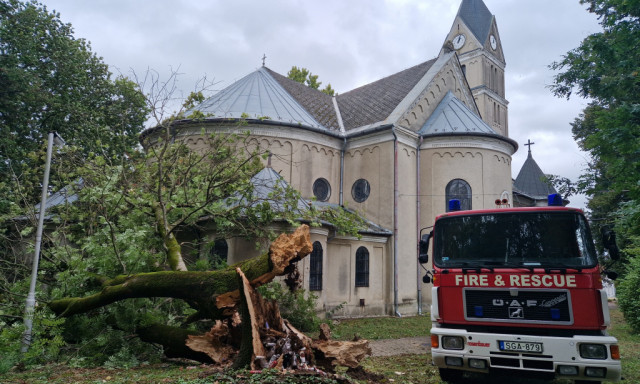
pixel 401 369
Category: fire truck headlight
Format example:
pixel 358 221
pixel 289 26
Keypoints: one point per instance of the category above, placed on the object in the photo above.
pixel 477 364
pixel 595 372
pixel 452 342
pixel 567 370
pixel 593 351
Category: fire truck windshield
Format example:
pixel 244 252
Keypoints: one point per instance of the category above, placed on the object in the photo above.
pixel 514 239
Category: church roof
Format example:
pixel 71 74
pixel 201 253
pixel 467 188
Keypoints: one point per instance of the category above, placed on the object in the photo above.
pixel 267 95
pixel 531 181
pixel 319 104
pixel 268 181
pixel 452 116
pixel 257 96
pixel 374 102
pixel 477 17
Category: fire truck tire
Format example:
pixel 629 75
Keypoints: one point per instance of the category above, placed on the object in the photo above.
pixel 451 376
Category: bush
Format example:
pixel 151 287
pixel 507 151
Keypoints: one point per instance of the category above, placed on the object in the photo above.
pixel 298 307
pixel 46 340
pixel 627 292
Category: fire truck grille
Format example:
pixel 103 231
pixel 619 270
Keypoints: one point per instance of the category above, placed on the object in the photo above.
pixel 542 306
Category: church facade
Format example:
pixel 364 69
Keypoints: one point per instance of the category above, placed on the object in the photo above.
pixel 395 151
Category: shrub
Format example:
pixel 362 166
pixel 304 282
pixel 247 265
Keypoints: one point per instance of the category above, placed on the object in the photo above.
pixel 299 307
pixel 627 291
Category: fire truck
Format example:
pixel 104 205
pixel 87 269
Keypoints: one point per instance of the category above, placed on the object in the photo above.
pixel 519 291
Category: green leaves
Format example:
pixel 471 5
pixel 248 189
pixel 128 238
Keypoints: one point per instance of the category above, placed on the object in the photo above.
pixel 51 81
pixel 303 76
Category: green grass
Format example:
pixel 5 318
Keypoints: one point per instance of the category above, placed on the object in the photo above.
pixel 629 347
pixel 376 328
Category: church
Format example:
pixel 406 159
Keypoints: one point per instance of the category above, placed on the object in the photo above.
pixel 394 151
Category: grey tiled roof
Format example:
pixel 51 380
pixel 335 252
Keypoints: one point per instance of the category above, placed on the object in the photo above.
pixel 531 180
pixel 268 181
pixel 319 104
pixel 452 116
pixel 477 17
pixel 369 226
pixel 374 102
pixel 257 96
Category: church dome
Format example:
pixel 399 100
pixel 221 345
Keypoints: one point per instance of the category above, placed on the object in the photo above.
pixel 257 96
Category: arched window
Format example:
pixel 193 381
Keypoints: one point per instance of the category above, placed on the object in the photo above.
pixel 362 267
pixel 460 190
pixel 218 254
pixel 315 267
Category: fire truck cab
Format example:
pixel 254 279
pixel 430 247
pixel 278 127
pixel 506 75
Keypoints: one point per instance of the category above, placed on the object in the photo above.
pixel 519 290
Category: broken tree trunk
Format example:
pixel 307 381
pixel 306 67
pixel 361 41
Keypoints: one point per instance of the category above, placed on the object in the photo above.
pixel 269 341
pixel 213 293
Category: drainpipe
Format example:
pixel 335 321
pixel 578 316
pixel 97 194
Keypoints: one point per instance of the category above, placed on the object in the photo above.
pixel 395 221
pixel 418 225
pixel 344 147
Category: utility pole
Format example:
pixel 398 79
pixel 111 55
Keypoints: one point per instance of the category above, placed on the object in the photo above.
pixel 31 297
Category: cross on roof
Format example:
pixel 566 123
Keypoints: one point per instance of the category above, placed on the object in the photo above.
pixel 529 144
pixel 264 57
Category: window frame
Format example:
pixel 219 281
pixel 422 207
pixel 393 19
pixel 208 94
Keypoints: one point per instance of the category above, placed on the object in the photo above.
pixel 315 267
pixel 362 267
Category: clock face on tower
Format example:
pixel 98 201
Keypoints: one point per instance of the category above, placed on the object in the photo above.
pixel 493 42
pixel 458 41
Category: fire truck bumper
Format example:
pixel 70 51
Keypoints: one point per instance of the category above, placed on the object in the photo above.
pixel 578 357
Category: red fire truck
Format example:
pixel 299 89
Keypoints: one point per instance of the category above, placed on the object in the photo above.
pixel 519 290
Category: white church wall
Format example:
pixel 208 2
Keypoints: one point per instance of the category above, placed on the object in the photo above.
pixel 407 232
pixel 373 163
pixel 317 161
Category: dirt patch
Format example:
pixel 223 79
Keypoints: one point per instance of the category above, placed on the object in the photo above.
pixel 360 374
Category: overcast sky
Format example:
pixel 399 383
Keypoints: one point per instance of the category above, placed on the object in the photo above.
pixel 348 44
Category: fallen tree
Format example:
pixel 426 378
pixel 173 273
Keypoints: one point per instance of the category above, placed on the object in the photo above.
pixel 211 293
pixel 259 337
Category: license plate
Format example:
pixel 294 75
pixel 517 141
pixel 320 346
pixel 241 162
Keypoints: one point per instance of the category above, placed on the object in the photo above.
pixel 520 346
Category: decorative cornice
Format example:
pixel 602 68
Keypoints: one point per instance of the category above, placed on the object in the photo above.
pixel 480 141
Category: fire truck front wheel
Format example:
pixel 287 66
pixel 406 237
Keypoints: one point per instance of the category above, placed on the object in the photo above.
pixel 451 376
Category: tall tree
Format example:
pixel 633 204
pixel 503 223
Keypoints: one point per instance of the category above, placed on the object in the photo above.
pixel 605 68
pixel 51 81
pixel 303 76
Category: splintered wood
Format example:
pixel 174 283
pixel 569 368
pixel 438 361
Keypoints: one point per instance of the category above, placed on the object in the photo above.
pixel 274 341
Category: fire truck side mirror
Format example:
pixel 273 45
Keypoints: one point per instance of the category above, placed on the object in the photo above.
pixel 609 242
pixel 423 257
pixel 612 275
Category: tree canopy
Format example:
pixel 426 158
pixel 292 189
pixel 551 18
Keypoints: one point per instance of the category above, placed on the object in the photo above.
pixel 605 68
pixel 52 81
pixel 304 76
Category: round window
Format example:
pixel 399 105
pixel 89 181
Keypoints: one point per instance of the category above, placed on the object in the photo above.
pixel 321 189
pixel 360 190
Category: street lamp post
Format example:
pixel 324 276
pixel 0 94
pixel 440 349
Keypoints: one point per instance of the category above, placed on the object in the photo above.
pixel 31 297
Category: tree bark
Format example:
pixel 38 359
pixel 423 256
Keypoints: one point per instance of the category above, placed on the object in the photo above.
pixel 213 293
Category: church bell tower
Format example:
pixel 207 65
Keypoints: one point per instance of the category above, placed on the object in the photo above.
pixel 474 36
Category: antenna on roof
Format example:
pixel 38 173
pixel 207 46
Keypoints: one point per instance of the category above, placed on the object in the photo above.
pixel 264 57
pixel 529 144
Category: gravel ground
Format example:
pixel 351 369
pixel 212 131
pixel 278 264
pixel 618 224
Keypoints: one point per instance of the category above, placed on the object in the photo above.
pixel 407 345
